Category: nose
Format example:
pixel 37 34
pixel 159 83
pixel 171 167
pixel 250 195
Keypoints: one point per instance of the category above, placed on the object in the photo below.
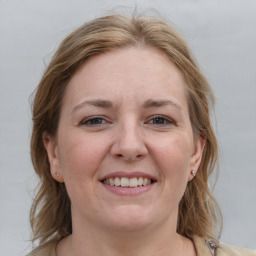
pixel 129 143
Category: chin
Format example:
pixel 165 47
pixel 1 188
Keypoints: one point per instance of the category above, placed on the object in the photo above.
pixel 130 218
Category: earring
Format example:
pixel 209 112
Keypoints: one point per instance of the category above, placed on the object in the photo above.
pixel 194 173
pixel 57 174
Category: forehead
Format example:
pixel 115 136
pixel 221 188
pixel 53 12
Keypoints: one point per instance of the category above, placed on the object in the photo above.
pixel 135 72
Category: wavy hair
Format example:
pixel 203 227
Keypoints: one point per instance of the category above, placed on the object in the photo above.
pixel 50 215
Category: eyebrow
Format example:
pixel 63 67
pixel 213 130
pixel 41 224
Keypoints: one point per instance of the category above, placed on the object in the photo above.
pixel 160 103
pixel 108 104
pixel 97 103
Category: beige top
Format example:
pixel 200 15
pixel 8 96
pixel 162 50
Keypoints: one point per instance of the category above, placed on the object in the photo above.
pixel 203 248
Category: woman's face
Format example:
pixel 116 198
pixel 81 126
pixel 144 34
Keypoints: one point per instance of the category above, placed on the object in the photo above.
pixel 125 147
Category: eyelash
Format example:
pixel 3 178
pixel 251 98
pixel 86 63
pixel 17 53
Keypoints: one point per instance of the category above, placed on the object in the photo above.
pixel 92 118
pixel 164 121
pixel 167 121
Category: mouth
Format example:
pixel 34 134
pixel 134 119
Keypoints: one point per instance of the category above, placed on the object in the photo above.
pixel 125 182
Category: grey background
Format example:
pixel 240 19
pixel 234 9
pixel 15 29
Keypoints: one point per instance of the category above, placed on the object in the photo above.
pixel 222 36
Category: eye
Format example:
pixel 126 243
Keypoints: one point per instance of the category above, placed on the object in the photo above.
pixel 93 121
pixel 160 120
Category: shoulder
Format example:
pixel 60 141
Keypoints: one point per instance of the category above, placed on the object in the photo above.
pixel 225 250
pixel 46 250
pixel 210 247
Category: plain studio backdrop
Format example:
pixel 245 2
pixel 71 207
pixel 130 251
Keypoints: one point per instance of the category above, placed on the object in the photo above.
pixel 222 36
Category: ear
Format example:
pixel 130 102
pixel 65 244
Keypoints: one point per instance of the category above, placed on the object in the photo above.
pixel 51 147
pixel 196 156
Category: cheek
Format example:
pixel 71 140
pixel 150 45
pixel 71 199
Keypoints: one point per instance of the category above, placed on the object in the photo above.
pixel 80 156
pixel 173 157
pixel 174 154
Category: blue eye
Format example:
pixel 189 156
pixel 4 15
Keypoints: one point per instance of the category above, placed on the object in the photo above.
pixel 93 121
pixel 160 120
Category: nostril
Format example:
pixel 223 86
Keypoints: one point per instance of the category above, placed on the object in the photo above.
pixel 130 157
pixel 128 151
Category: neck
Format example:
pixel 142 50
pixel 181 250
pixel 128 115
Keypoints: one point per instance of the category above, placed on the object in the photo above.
pixel 137 244
pixel 150 241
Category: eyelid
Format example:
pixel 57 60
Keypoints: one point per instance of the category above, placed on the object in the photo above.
pixel 168 119
pixel 87 119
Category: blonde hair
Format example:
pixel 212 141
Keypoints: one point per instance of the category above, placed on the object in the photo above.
pixel 50 213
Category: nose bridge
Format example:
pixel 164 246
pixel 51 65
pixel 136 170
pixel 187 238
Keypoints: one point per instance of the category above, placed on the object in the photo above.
pixel 129 143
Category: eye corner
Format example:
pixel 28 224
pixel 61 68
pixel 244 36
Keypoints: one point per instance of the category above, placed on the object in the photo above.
pixel 160 120
pixel 93 121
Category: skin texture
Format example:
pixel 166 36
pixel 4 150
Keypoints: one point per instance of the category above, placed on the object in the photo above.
pixel 125 111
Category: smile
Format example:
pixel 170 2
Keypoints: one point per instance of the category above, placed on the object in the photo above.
pixel 127 182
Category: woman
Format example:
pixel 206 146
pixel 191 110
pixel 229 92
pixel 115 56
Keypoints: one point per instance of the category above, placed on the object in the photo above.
pixel 123 144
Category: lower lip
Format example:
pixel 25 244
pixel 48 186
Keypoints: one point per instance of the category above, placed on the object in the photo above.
pixel 123 191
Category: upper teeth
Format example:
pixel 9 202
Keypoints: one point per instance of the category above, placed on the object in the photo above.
pixel 126 182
